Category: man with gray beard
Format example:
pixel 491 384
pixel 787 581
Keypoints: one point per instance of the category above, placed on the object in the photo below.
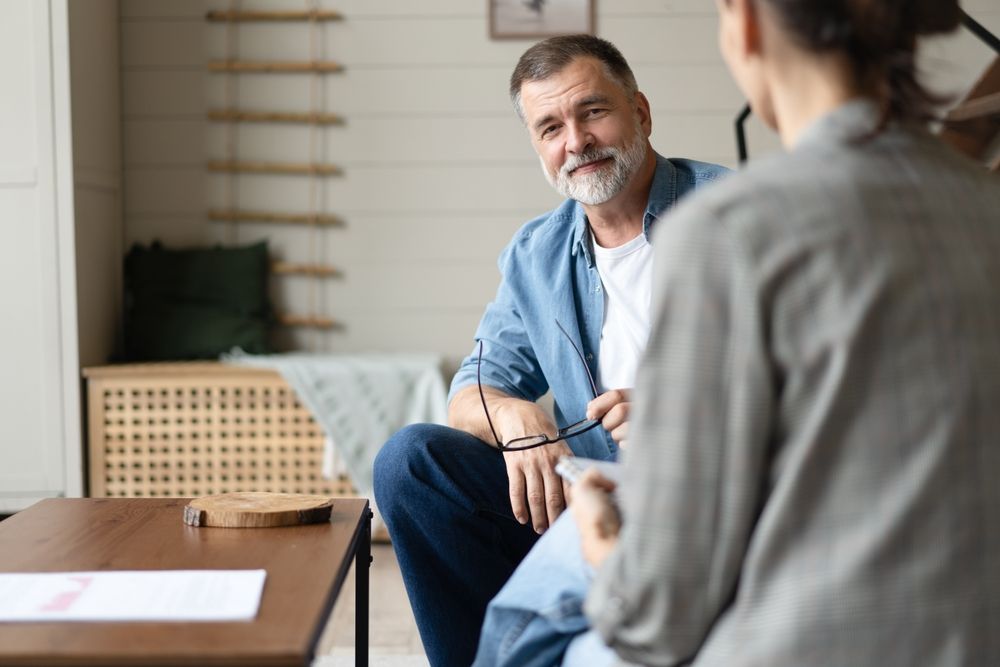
pixel 465 503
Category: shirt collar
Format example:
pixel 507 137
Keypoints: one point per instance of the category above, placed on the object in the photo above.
pixel 662 195
pixel 849 122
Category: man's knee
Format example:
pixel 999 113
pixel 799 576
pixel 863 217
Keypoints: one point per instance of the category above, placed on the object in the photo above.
pixel 398 464
pixel 396 455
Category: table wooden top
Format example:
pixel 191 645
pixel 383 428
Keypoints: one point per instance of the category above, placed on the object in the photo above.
pixel 306 566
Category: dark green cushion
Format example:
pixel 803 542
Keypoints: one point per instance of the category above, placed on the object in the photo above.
pixel 195 303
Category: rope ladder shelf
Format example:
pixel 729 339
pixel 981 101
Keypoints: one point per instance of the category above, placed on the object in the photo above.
pixel 257 167
pixel 265 16
pixel 293 269
pixel 274 66
pixel 238 116
pixel 316 168
pixel 237 215
pixel 981 107
pixel 309 321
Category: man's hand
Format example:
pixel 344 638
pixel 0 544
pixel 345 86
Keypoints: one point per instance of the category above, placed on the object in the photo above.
pixel 596 516
pixel 612 408
pixel 537 493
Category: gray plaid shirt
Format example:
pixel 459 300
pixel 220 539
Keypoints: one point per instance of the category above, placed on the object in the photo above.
pixel 814 472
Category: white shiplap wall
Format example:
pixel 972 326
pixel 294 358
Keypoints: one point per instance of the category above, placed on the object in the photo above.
pixel 438 172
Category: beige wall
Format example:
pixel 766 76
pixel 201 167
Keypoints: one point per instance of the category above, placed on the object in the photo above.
pixel 438 172
pixel 96 100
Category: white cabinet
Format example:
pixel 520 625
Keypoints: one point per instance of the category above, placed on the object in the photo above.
pixel 40 450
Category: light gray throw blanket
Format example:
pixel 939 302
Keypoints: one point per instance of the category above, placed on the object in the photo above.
pixel 359 401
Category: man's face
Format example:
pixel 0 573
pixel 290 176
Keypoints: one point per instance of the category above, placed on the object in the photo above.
pixel 590 137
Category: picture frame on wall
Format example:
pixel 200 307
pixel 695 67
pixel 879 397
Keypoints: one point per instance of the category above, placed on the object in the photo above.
pixel 537 19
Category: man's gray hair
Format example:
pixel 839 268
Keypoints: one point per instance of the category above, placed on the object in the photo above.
pixel 550 56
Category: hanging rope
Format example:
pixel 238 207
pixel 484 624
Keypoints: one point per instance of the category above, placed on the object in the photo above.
pixel 313 178
pixel 232 128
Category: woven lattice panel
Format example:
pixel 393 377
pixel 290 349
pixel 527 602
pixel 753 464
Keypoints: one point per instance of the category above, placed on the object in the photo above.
pixel 202 428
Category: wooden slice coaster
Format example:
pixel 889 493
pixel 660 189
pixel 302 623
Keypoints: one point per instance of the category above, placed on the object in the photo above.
pixel 257 510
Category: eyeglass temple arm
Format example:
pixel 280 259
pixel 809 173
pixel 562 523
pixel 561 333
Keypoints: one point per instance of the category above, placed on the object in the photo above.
pixel 593 385
pixel 482 396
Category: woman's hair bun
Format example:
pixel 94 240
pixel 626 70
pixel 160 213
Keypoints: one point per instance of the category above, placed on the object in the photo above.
pixel 933 17
pixel 879 38
pixel 903 20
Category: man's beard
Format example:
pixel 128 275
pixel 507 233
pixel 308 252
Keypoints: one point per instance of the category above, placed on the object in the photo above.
pixel 599 186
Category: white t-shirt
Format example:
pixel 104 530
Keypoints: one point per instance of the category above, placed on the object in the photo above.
pixel 627 275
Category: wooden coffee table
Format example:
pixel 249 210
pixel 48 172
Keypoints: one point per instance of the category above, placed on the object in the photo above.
pixel 306 567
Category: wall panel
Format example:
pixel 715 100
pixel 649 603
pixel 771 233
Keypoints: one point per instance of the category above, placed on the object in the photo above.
pixel 409 140
pixel 438 171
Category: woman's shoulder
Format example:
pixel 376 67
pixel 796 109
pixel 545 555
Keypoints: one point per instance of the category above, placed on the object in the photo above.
pixel 820 179
pixel 785 203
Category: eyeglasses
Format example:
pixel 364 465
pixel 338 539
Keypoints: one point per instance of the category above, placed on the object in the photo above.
pixel 532 441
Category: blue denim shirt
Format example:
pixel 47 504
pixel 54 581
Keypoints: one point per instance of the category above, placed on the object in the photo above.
pixel 548 273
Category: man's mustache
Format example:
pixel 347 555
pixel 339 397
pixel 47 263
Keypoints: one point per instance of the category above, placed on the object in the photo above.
pixel 593 155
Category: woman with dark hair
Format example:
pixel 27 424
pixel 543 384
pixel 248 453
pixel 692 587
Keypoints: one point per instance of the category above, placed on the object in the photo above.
pixel 812 471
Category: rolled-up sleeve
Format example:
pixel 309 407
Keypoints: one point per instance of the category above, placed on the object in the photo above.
pixel 510 363
pixel 695 469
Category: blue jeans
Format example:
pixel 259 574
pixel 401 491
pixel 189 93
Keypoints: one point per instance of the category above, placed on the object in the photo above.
pixel 444 497
pixel 537 620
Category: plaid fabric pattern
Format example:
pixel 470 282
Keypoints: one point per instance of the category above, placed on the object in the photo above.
pixel 814 473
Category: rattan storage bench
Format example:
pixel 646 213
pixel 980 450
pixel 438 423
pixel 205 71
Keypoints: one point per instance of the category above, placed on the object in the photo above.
pixel 193 429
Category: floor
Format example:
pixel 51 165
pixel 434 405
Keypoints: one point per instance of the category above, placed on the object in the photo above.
pixel 393 639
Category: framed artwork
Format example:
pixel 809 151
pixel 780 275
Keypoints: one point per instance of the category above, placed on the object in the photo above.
pixel 536 19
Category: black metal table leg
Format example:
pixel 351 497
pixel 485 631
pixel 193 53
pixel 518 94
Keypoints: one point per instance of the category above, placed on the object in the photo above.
pixel 362 564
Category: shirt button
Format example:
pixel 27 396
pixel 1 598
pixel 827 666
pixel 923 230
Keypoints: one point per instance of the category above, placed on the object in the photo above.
pixel 597 289
pixel 590 357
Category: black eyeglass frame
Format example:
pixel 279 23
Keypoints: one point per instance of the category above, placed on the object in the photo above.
pixel 541 439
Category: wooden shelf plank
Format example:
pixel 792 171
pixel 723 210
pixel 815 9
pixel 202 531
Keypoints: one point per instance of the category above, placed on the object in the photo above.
pixel 256 16
pixel 233 215
pixel 980 107
pixel 290 268
pixel 237 116
pixel 308 321
pixel 255 167
pixel 274 66
pixel 973 136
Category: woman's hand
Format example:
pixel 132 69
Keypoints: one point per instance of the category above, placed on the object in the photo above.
pixel 596 516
